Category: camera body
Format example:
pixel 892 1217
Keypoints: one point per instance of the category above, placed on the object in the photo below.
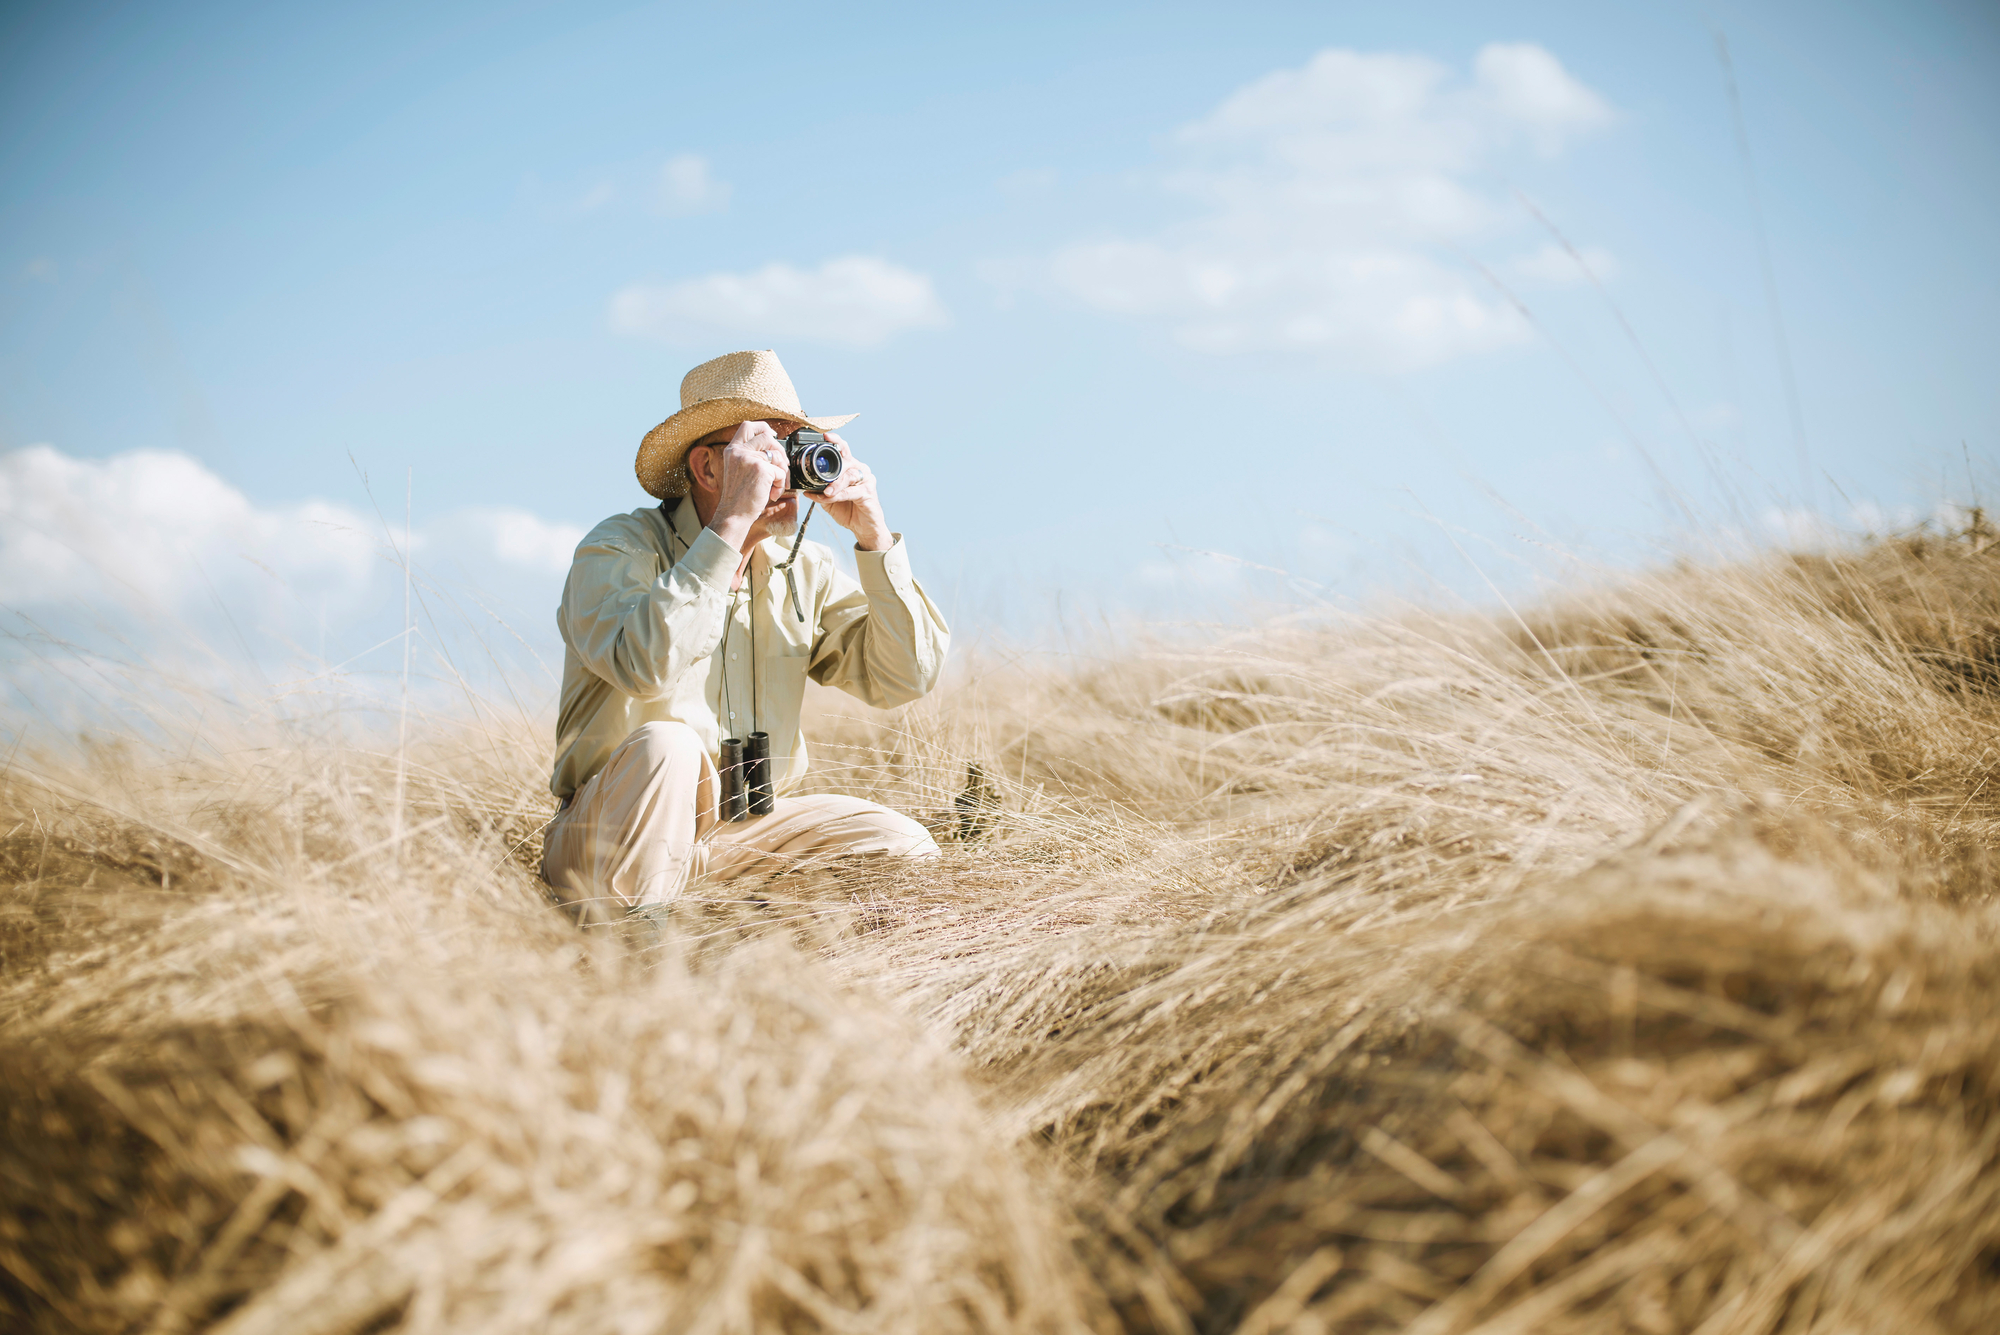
pixel 814 463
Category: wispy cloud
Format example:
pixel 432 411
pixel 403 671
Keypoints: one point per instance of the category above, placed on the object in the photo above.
pixel 1333 201
pixel 598 195
pixel 854 301
pixel 509 536
pixel 685 188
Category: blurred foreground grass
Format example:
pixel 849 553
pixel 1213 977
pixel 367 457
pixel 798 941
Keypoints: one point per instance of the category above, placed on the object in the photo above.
pixel 1628 963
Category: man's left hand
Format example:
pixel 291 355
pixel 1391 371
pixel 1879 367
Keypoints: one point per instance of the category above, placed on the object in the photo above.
pixel 851 502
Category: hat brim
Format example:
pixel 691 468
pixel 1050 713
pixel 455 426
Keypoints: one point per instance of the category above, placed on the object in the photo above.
pixel 662 463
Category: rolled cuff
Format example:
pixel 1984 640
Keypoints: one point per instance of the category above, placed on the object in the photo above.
pixel 711 560
pixel 885 572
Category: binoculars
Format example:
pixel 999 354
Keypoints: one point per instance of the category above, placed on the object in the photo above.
pixel 745 771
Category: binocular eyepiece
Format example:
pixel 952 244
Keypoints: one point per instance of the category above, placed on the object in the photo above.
pixel 814 463
pixel 745 772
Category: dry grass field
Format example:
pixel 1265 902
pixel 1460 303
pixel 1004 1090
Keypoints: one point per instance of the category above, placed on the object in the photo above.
pixel 1630 963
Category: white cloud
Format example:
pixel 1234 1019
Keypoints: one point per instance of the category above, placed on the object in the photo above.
pixel 153 529
pixel 155 548
pixel 1797 529
pixel 685 188
pixel 135 585
pixel 1336 202
pixel 510 536
pixel 42 269
pixel 853 301
pixel 1529 90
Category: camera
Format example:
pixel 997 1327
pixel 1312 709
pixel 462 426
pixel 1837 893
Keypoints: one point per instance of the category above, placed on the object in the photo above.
pixel 815 464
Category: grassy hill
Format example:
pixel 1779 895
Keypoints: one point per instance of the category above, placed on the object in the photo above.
pixel 1623 963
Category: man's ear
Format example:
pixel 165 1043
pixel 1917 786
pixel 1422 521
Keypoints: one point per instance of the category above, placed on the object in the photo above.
pixel 701 465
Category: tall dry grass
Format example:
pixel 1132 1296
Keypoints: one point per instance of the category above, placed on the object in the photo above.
pixel 1622 963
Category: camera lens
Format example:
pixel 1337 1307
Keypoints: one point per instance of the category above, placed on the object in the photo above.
pixel 820 464
pixel 815 464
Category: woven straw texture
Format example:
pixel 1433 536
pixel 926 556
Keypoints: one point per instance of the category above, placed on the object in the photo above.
pixel 735 387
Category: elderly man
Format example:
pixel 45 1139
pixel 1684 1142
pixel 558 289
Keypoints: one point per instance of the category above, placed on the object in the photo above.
pixel 684 624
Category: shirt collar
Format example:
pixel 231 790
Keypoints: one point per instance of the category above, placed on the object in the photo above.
pixel 685 523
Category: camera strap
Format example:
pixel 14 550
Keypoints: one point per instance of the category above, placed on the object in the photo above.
pixel 668 506
pixel 791 585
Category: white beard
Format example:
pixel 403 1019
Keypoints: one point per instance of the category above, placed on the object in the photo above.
pixel 782 528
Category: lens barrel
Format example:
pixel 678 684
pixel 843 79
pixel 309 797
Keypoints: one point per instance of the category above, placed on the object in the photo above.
pixel 757 776
pixel 814 464
pixel 735 799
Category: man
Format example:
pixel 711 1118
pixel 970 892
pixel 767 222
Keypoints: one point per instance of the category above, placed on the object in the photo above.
pixel 683 624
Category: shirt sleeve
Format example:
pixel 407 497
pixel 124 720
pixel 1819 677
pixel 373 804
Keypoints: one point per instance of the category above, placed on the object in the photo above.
pixel 880 640
pixel 637 626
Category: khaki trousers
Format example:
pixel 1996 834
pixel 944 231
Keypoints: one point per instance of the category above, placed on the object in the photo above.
pixel 645 825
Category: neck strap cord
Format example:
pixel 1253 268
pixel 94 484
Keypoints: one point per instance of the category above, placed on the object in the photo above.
pixel 667 507
pixel 791 585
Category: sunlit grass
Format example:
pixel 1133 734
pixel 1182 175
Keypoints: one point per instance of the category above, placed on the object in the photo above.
pixel 1626 963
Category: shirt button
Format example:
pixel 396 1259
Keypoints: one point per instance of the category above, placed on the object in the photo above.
pixel 732 658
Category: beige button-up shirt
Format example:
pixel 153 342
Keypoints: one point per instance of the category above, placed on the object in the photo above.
pixel 652 632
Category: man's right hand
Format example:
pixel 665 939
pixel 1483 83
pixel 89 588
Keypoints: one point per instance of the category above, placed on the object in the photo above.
pixel 753 476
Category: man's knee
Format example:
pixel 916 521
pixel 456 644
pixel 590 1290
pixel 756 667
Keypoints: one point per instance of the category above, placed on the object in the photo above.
pixel 856 825
pixel 908 838
pixel 899 834
pixel 655 760
pixel 659 745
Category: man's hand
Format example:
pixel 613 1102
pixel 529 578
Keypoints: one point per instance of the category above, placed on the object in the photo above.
pixel 851 502
pixel 753 476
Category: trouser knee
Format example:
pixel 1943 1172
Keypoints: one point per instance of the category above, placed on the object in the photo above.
pixel 661 745
pixel 862 826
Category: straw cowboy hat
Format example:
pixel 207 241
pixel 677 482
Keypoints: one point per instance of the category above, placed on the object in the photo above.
pixel 735 387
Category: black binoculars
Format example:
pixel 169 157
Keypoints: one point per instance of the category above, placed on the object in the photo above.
pixel 745 771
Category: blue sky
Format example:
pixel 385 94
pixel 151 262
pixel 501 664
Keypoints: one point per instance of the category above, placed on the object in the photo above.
pixel 1109 285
